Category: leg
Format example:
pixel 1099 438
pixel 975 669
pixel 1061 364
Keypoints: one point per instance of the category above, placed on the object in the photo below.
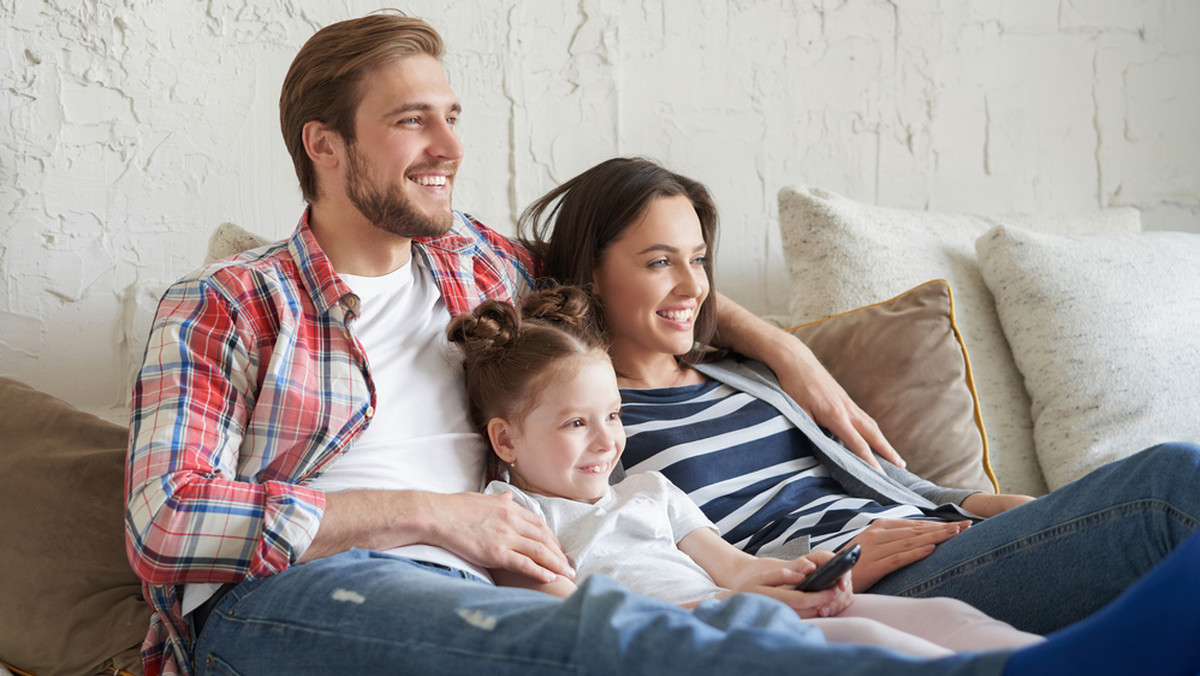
pixel 363 613
pixel 949 623
pixel 1150 629
pixel 842 629
pixel 1054 561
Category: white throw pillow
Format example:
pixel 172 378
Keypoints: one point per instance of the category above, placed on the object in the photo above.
pixel 1106 330
pixel 843 254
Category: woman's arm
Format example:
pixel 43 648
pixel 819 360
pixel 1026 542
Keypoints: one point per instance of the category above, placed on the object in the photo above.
pixel 738 572
pixel 804 378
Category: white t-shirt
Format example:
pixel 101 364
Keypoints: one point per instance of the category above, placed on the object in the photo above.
pixel 630 535
pixel 420 437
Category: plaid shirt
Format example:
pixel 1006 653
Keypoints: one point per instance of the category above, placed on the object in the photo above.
pixel 253 383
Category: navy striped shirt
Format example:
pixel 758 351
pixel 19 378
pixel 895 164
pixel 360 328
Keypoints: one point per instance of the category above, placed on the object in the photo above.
pixel 749 469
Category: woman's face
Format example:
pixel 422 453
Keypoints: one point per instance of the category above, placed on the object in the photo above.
pixel 652 283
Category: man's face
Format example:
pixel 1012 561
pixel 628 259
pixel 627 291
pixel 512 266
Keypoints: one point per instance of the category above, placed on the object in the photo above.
pixel 400 169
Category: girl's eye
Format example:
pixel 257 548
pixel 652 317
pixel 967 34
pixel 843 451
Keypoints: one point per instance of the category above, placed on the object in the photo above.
pixel 615 415
pixel 575 423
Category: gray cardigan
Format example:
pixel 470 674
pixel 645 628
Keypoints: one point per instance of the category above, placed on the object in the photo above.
pixel 893 486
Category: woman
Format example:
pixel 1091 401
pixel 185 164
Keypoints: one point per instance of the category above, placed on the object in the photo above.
pixel 721 428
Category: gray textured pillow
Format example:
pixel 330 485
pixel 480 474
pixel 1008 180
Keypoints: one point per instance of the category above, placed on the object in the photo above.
pixel 1106 330
pixel 843 254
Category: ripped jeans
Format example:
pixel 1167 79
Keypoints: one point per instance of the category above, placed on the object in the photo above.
pixel 368 613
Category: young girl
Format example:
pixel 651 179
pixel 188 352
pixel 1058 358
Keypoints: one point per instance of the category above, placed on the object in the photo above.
pixel 543 391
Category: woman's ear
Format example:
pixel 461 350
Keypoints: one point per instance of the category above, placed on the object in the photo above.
pixel 500 433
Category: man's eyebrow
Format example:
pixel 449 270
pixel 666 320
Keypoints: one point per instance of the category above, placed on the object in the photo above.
pixel 670 249
pixel 419 108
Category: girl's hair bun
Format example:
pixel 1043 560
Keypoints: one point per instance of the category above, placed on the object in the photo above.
pixel 491 326
pixel 567 307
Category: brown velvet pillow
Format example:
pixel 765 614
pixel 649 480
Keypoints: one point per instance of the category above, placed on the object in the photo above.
pixel 69 602
pixel 903 361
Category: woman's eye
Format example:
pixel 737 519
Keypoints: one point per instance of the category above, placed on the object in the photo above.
pixel 661 263
pixel 700 260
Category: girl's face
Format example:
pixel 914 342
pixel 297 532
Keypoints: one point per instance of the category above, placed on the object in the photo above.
pixel 652 283
pixel 569 442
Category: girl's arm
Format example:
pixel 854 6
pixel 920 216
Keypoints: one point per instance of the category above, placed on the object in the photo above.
pixel 560 587
pixel 738 571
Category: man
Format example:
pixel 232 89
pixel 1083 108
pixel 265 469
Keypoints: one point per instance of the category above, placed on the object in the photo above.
pixel 299 405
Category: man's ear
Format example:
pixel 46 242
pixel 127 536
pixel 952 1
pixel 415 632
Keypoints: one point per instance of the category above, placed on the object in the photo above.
pixel 500 433
pixel 322 144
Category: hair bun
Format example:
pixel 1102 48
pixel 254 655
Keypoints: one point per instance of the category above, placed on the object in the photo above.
pixel 492 325
pixel 567 306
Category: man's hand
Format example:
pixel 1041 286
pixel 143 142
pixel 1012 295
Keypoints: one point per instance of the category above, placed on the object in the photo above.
pixel 494 532
pixel 891 544
pixel 804 379
pixel 490 531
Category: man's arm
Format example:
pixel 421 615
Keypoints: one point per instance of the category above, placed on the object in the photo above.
pixel 490 531
pixel 804 379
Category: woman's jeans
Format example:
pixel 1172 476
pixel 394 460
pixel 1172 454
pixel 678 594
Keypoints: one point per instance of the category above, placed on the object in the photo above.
pixel 1060 558
pixel 367 613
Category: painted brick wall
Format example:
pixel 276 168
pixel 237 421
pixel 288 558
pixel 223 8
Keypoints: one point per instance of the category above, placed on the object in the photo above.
pixel 133 127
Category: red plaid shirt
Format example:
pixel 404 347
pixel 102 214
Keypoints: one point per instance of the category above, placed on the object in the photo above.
pixel 252 383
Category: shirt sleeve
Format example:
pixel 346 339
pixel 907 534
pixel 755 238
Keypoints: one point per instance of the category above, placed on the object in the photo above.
pixel 685 516
pixel 190 517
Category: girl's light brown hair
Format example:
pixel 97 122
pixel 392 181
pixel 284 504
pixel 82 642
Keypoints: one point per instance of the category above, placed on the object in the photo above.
pixel 322 83
pixel 508 356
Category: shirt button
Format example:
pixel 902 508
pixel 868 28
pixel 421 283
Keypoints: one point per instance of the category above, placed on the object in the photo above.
pixel 370 411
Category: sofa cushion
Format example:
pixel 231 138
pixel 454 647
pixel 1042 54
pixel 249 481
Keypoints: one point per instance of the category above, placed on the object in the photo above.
pixel 1106 330
pixel 904 363
pixel 842 254
pixel 71 603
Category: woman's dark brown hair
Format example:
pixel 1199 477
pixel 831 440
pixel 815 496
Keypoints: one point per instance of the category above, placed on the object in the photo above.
pixel 572 227
pixel 508 356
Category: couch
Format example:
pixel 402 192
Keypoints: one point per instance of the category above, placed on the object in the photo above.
pixel 1002 353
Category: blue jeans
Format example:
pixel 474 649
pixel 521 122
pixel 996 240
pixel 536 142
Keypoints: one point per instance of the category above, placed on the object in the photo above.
pixel 1054 561
pixel 367 613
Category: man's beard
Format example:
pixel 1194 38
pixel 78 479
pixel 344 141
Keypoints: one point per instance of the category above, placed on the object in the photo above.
pixel 387 207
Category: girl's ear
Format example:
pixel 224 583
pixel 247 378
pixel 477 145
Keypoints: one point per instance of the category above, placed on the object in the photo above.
pixel 500 433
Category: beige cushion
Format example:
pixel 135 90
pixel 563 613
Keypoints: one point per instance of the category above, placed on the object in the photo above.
pixel 1106 330
pixel 69 601
pixel 842 254
pixel 903 361
pixel 229 239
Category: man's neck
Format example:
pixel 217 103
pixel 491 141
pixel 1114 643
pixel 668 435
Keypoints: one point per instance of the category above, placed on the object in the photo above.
pixel 353 244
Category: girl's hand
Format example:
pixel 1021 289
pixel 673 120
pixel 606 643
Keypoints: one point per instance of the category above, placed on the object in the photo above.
pixel 776 578
pixel 891 544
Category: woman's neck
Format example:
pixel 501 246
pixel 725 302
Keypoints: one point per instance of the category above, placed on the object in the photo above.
pixel 663 370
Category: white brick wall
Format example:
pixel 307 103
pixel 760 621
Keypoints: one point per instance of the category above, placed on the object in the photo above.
pixel 134 127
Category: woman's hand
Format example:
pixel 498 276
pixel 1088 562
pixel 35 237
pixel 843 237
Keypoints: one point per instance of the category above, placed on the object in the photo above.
pixel 986 504
pixel 805 380
pixel 811 386
pixel 891 544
